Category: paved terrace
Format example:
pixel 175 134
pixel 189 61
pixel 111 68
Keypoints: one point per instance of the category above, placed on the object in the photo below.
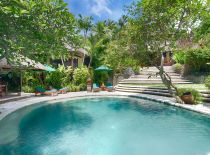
pixel 7 108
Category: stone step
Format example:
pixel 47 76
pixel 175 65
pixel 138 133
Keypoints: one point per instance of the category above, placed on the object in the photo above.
pixel 144 92
pixel 136 83
pixel 150 82
pixel 153 91
pixel 156 78
pixel 153 73
pixel 166 68
pixel 205 91
pixel 206 95
pixel 155 70
pixel 143 89
pixel 152 77
pixel 140 86
pixel 207 100
pixel 161 90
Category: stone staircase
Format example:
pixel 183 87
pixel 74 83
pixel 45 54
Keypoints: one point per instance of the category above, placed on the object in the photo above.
pixel 146 72
pixel 153 85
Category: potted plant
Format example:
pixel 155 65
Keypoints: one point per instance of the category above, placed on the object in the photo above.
pixel 189 95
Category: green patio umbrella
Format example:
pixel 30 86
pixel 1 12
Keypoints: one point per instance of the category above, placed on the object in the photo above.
pixel 49 69
pixel 103 68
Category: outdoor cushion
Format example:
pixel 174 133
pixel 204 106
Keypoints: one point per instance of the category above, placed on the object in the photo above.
pixel 40 89
pixel 109 85
pixel 95 85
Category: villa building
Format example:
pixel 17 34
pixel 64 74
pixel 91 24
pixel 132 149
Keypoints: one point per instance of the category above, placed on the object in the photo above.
pixel 77 58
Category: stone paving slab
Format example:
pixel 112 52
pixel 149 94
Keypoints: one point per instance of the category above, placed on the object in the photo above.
pixel 9 107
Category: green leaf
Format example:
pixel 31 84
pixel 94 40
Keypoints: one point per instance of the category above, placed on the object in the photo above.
pixel 24 12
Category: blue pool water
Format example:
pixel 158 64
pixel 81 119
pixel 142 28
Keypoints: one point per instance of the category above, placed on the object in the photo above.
pixel 105 126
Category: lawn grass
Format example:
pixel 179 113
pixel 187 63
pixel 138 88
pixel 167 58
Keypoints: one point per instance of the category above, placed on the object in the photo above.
pixel 194 86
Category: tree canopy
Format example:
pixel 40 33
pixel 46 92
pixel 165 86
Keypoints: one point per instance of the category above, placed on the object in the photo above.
pixel 36 28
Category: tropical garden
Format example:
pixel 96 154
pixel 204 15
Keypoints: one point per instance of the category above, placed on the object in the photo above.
pixel 41 29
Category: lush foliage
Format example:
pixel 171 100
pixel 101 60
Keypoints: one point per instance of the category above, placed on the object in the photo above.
pixel 28 89
pixel 198 59
pixel 30 81
pixel 196 94
pixel 55 79
pixel 41 30
pixel 73 88
pixel 207 82
pixel 178 68
pixel 81 75
pixel 101 77
pixel 36 29
pixel 75 80
pixel 179 57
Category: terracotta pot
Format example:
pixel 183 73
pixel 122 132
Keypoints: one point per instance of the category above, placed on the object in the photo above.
pixel 187 98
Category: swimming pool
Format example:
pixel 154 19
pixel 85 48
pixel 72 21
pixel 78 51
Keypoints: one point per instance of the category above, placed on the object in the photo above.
pixel 105 126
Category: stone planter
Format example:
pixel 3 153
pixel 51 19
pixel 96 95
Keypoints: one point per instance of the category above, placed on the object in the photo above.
pixel 188 98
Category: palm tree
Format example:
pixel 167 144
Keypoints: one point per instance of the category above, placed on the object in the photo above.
pixel 122 21
pixel 85 25
pixel 99 29
pixel 92 44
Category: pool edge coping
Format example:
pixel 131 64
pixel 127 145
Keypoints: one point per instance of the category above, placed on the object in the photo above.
pixel 5 111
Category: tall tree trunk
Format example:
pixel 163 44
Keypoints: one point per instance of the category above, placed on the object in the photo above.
pixel 62 60
pixel 166 79
pixel 90 61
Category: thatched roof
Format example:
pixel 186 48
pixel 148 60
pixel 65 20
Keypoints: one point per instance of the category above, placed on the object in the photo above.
pixel 80 52
pixel 20 62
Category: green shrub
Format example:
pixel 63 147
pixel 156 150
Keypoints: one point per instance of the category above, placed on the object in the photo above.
pixel 178 68
pixel 77 88
pixel 136 69
pixel 207 82
pixel 198 59
pixel 55 79
pixel 197 96
pixel 28 89
pixel 81 75
pixel 83 87
pixel 71 87
pixel 68 78
pixel 101 77
pixel 179 57
pixel 30 81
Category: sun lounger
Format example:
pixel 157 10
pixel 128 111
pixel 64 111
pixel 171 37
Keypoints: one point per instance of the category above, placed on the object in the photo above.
pixel 109 87
pixel 42 91
pixel 63 90
pixel 96 88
